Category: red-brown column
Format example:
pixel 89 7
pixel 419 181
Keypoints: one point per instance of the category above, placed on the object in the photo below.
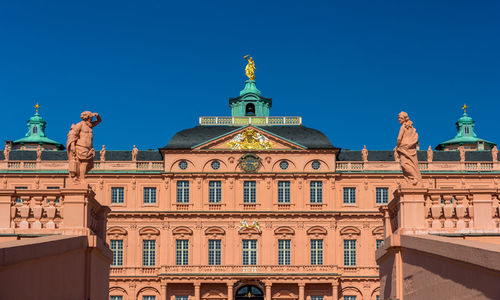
pixel 301 290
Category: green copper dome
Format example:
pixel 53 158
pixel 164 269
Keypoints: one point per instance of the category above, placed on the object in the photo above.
pixel 36 133
pixel 465 135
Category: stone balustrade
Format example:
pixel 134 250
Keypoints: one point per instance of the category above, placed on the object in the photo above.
pixel 422 211
pixel 99 166
pixel 70 211
pixel 437 166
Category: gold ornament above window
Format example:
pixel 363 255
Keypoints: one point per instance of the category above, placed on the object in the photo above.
pixel 250 139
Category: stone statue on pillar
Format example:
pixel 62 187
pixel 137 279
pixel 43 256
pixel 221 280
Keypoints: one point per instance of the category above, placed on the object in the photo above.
pixel 135 151
pixel 364 153
pixel 430 154
pixel 406 149
pixel 103 153
pixel 80 146
pixel 6 151
pixel 494 154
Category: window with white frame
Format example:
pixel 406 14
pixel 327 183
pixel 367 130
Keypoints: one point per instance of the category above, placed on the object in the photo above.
pixel 181 252
pixel 148 297
pixel 214 252
pixel 381 195
pixel 316 252
pixel 149 195
pixel 349 195
pixel 316 297
pixel 117 194
pixel 379 243
pixel 115 297
pixel 181 297
pixel 316 192
pixel 183 191
pixel 349 252
pixel 349 297
pixel 117 250
pixel 249 192
pixel 148 253
pixel 214 191
pixel 283 191
pixel 284 252
pixel 249 252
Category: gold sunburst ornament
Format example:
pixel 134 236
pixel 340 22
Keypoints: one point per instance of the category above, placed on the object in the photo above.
pixel 250 140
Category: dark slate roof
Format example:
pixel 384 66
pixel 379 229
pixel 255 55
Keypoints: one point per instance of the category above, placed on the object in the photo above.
pixel 308 137
pixel 347 155
pixel 150 155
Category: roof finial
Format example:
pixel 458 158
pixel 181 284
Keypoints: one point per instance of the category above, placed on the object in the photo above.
pixel 250 68
pixel 37 106
pixel 465 108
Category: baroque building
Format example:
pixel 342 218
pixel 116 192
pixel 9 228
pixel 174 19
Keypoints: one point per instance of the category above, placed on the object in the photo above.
pixel 247 206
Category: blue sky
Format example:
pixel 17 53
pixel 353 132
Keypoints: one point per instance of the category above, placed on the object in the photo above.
pixel 151 68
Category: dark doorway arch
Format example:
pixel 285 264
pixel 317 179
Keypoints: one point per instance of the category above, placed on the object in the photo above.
pixel 247 292
pixel 250 109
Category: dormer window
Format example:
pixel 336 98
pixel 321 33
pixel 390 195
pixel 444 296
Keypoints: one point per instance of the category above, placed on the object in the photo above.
pixel 250 110
pixel 35 130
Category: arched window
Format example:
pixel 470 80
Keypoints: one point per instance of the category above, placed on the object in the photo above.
pixel 250 110
pixel 35 130
pixel 249 291
pixel 466 129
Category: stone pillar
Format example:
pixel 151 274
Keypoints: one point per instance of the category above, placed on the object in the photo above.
pixel 482 205
pixel 301 290
pixel 335 291
pixel 5 207
pixel 411 212
pixel 230 290
pixel 197 286
pixel 164 291
pixel 268 290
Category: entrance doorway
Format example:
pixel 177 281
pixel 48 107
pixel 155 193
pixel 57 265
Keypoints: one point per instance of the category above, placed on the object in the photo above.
pixel 247 292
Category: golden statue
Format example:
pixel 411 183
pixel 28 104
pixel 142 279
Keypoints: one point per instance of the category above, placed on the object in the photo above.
pixel 250 68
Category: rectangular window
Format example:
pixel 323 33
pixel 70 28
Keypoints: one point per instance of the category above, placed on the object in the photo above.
pixel 214 191
pixel 379 243
pixel 149 195
pixel 117 249
pixel 148 253
pixel 249 192
pixel 52 187
pixel 381 195
pixel 349 195
pixel 181 252
pixel 181 297
pixel 148 297
pixel 214 252
pixel 349 252
pixel 117 194
pixel 316 252
pixel 115 297
pixel 349 297
pixel 182 191
pixel 316 192
pixel 249 252
pixel 283 191
pixel 316 297
pixel 284 251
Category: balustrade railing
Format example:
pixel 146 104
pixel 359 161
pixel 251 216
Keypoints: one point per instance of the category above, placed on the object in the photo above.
pixel 68 211
pixel 98 165
pixel 241 121
pixel 440 166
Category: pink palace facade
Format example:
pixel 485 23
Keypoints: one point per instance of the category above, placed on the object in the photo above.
pixel 245 207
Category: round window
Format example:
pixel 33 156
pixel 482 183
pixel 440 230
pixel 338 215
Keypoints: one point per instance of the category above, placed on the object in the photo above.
pixel 215 165
pixel 284 165
pixel 183 165
pixel 316 165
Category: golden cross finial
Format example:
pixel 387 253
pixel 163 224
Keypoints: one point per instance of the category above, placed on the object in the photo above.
pixel 37 106
pixel 465 108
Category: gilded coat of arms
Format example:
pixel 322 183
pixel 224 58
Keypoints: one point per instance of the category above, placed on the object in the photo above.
pixel 250 163
pixel 250 139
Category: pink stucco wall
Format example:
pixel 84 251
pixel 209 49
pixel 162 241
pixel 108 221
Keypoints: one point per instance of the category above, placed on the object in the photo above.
pixel 54 267
pixel 435 267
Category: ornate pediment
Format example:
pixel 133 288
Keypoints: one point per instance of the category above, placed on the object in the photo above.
pixel 249 139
